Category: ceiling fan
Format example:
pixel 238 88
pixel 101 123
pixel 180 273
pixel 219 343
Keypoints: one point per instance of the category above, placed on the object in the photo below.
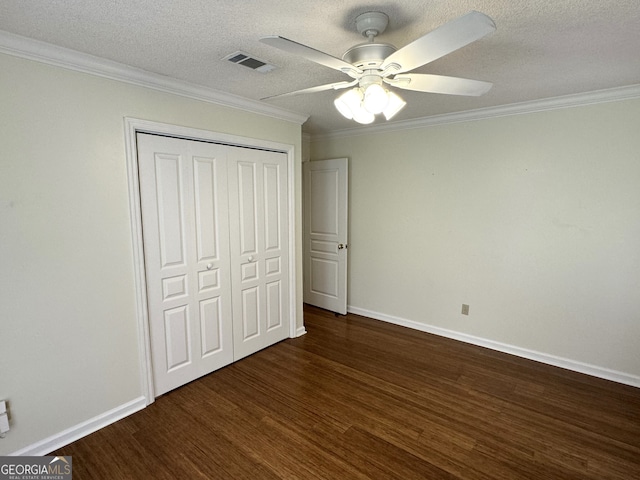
pixel 371 65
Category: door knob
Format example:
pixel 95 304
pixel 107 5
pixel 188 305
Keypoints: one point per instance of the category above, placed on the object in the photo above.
pixel 250 258
pixel 209 266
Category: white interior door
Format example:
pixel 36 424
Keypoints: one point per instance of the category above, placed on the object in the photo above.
pixel 184 203
pixel 259 248
pixel 325 234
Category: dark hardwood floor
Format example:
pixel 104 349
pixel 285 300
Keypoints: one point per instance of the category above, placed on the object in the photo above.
pixel 357 398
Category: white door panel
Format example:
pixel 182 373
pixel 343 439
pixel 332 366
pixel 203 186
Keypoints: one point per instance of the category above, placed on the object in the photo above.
pixel 184 202
pixel 177 337
pixel 325 235
pixel 324 277
pixel 324 192
pixel 259 248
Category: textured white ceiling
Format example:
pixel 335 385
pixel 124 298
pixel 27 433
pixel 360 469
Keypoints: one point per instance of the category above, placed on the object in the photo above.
pixel 542 48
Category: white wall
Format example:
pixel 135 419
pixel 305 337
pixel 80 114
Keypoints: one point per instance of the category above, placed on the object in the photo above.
pixel 69 349
pixel 533 220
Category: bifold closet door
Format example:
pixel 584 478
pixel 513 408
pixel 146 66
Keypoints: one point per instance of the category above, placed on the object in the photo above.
pixel 184 203
pixel 216 241
pixel 259 233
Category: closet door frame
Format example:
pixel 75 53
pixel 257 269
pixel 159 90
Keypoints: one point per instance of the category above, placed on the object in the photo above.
pixel 134 126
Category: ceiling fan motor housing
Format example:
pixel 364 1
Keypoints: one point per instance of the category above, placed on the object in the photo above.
pixel 367 56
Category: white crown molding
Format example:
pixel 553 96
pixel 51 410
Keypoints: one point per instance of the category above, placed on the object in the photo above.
pixel 566 363
pixel 554 103
pixel 28 48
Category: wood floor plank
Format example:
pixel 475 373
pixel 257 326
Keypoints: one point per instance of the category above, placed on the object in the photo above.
pixel 356 398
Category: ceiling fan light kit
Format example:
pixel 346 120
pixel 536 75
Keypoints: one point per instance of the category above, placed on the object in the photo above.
pixel 371 64
pixel 362 106
pixel 349 104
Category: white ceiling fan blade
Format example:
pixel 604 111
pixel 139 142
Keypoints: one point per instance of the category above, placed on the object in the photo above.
pixel 319 88
pixel 310 54
pixel 440 84
pixel 443 40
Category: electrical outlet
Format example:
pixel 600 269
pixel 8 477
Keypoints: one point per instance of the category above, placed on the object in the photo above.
pixel 465 309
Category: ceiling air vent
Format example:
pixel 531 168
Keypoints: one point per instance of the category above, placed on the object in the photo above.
pixel 242 58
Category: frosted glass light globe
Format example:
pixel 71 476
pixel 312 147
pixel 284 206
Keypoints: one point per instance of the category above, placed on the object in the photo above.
pixel 363 116
pixel 395 105
pixel 348 103
pixel 375 99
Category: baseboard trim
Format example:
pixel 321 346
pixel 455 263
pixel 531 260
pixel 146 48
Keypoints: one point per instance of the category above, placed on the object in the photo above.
pixel 568 364
pixel 300 331
pixel 83 429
